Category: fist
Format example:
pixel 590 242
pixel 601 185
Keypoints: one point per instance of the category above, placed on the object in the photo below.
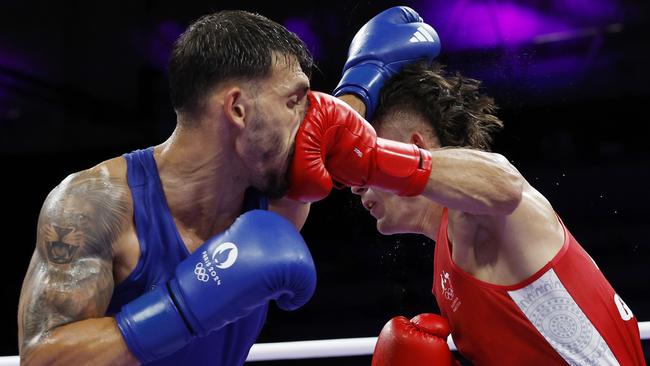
pixel 379 50
pixel 419 341
pixel 335 144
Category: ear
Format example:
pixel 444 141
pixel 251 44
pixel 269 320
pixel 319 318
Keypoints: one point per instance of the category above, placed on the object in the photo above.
pixel 418 139
pixel 234 107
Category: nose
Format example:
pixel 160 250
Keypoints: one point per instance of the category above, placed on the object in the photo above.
pixel 359 190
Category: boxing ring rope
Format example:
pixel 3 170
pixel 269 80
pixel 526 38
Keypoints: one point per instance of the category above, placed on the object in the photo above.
pixel 340 347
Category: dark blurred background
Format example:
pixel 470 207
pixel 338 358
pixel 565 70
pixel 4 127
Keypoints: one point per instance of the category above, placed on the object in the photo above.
pixel 83 81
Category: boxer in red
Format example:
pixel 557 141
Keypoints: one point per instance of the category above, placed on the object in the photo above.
pixel 514 284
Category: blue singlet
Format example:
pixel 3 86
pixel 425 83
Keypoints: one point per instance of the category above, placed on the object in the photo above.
pixel 161 250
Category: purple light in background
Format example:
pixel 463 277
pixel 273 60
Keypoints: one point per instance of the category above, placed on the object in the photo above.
pixel 302 28
pixel 474 24
pixel 21 61
pixel 518 24
pixel 161 42
pixel 590 10
pixel 536 75
pixel 3 100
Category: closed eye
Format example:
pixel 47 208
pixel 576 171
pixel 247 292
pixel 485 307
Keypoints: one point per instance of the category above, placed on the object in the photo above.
pixel 293 101
pixel 299 94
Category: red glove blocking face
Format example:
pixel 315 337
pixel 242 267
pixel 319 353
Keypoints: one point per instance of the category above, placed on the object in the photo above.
pixel 420 341
pixel 334 143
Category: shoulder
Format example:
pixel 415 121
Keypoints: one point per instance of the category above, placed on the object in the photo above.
pixel 532 207
pixel 107 177
pixel 97 200
pixel 533 223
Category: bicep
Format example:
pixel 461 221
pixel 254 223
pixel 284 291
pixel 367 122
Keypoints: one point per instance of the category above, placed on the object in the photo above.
pixel 59 292
pixel 474 181
pixel 70 276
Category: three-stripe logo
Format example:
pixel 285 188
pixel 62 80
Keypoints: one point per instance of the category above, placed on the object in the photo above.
pixel 421 35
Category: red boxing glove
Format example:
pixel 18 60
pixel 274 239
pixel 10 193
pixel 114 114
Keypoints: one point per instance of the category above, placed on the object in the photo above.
pixel 420 341
pixel 335 143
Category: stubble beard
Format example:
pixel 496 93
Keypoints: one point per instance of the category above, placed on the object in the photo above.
pixel 273 181
pixel 277 182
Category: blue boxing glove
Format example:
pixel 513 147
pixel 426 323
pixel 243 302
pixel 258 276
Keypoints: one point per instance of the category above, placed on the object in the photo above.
pixel 379 50
pixel 260 257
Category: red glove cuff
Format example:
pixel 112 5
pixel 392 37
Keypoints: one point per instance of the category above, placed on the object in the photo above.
pixel 402 168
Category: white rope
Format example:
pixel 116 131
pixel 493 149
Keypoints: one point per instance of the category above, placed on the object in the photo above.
pixel 312 349
pixel 340 347
pixel 9 361
pixel 317 349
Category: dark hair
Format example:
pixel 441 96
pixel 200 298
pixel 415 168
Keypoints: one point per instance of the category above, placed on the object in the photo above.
pixel 224 46
pixel 459 114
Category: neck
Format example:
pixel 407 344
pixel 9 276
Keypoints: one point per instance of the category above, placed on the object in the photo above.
pixel 203 184
pixel 430 221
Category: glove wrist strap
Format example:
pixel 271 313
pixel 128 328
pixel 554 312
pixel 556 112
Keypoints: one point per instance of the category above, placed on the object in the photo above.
pixel 402 168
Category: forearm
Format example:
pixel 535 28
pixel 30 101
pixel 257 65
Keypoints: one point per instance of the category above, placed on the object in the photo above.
pixel 468 180
pixel 474 181
pixel 355 102
pixel 94 342
pixel 294 211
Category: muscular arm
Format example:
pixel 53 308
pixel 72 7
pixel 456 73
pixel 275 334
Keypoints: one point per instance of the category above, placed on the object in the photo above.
pixel 474 181
pixel 355 102
pixel 468 180
pixel 294 211
pixel 69 282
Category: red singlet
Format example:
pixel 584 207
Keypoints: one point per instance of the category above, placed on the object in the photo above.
pixel 565 313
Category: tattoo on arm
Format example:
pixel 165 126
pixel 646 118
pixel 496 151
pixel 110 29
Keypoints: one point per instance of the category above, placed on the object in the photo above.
pixel 70 276
pixel 58 251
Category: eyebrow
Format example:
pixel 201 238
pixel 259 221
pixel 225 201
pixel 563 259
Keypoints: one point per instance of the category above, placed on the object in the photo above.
pixel 302 87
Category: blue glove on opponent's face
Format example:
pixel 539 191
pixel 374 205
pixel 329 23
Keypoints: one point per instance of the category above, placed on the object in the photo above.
pixel 379 50
pixel 259 258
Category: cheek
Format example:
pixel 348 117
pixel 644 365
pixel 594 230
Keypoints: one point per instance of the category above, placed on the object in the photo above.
pixel 392 205
pixel 278 126
pixel 392 210
pixel 262 142
pixel 401 214
pixel 273 145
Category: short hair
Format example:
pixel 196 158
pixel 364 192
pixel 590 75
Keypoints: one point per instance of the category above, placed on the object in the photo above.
pixel 228 45
pixel 458 112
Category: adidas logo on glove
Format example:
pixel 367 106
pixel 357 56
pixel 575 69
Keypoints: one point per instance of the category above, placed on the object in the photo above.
pixel 421 35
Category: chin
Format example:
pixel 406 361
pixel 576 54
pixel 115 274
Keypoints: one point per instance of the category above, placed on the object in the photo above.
pixel 275 185
pixel 391 227
pixel 275 188
pixel 381 231
pixel 385 229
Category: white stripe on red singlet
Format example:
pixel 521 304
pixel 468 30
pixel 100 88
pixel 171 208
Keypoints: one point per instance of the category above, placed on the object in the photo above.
pixel 551 309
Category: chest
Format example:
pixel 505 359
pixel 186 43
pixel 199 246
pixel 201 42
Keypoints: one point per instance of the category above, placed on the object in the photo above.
pixel 478 252
pixel 492 254
pixel 128 248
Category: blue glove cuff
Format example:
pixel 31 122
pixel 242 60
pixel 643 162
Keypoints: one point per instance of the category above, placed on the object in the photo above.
pixel 152 327
pixel 365 81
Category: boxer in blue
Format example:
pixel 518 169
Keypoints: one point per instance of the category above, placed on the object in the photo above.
pixel 167 255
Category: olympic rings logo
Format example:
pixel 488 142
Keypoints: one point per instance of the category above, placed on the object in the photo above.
pixel 201 273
